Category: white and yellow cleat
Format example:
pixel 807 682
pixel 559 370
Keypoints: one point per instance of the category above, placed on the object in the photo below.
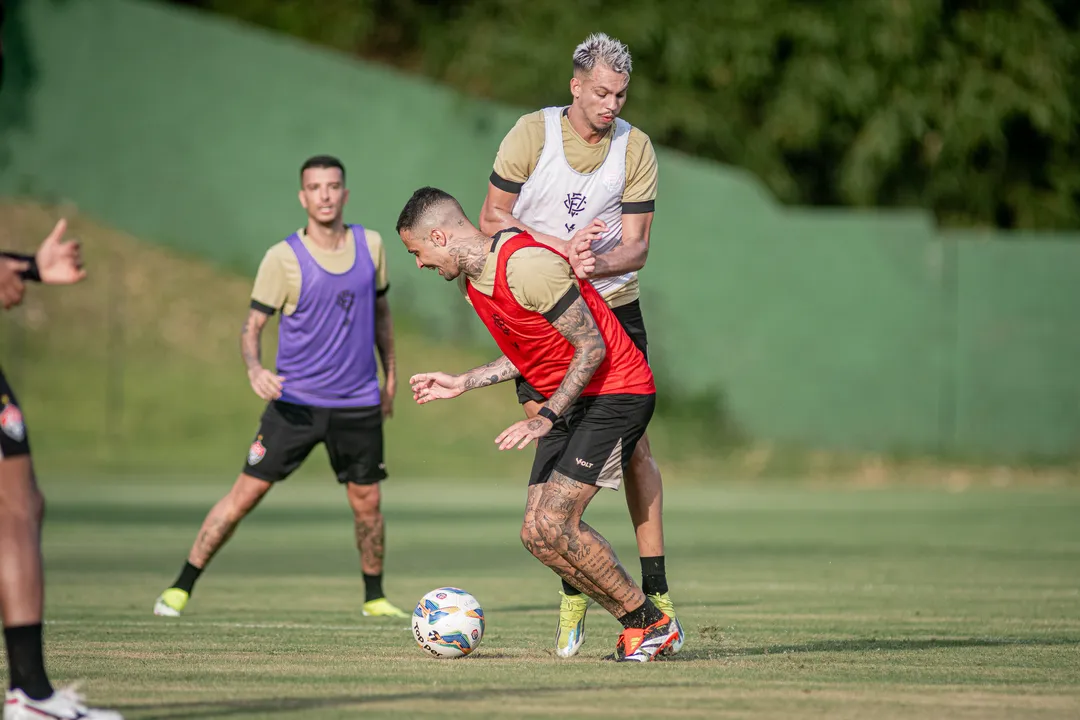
pixel 65 704
pixel 171 603
pixel 663 603
pixel 571 633
pixel 381 607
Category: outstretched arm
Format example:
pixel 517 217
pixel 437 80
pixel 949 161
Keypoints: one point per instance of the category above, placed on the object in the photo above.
pixel 442 386
pixel 493 373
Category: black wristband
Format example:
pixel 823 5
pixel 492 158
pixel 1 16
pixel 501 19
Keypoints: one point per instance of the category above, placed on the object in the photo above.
pixel 30 273
pixel 546 412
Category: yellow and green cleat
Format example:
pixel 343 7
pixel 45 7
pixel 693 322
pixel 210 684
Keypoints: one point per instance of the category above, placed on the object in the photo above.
pixel 382 607
pixel 571 633
pixel 171 603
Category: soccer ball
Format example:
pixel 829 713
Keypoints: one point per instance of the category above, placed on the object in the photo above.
pixel 448 623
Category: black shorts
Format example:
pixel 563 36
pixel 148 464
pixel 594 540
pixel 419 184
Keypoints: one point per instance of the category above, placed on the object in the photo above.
pixel 593 441
pixel 629 316
pixel 14 440
pixel 288 433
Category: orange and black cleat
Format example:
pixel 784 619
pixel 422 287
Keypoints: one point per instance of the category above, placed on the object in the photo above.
pixel 645 645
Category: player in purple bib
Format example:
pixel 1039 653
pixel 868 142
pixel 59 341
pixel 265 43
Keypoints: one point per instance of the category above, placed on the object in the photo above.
pixel 329 282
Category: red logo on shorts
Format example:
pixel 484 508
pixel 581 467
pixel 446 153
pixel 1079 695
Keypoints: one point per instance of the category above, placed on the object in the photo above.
pixel 11 422
pixel 256 452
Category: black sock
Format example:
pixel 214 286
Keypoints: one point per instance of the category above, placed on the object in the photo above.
pixel 569 589
pixel 188 576
pixel 653 575
pixel 373 587
pixel 26 662
pixel 642 617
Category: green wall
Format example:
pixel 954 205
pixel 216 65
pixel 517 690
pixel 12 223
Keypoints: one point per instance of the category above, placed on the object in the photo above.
pixel 835 329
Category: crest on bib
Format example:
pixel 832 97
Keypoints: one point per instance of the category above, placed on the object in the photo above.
pixel 612 180
pixel 256 452
pixel 11 422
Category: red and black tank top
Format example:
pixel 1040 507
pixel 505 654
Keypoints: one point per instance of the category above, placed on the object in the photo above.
pixel 540 352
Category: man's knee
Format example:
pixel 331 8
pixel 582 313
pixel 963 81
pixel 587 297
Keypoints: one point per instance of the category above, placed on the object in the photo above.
pixel 533 540
pixel 365 500
pixel 20 498
pixel 244 496
pixel 642 464
pixel 555 530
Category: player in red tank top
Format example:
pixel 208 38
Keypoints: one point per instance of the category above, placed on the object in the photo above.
pixel 540 351
pixel 558 334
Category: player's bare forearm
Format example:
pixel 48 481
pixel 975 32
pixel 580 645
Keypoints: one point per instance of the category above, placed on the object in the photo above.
pixel 497 215
pixel 630 254
pixel 251 339
pixel 495 372
pixel 578 326
pixel 384 338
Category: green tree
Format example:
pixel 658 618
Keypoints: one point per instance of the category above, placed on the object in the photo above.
pixel 968 108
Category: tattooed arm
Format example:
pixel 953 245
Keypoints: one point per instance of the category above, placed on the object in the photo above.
pixel 577 324
pixel 493 373
pixel 441 386
pixel 266 384
pixel 384 341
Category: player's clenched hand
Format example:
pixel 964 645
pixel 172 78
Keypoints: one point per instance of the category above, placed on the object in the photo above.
pixel 436 386
pixel 582 259
pixel 11 283
pixel 59 262
pixel 581 255
pixel 522 433
pixel 266 384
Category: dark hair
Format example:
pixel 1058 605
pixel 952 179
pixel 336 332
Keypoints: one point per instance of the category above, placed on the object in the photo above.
pixel 322 161
pixel 421 201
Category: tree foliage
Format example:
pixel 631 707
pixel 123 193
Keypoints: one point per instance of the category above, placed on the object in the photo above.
pixel 970 108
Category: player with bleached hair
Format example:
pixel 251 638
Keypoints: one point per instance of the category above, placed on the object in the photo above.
pixel 583 181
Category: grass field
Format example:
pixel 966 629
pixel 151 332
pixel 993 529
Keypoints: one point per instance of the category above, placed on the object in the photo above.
pixel 798 602
pixel 868 588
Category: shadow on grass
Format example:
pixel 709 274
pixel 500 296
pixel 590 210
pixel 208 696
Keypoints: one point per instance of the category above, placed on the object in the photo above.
pixel 715 650
pixel 238 708
pixel 593 607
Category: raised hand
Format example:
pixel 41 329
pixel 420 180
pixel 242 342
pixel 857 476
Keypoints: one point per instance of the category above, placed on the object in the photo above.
pixel 60 262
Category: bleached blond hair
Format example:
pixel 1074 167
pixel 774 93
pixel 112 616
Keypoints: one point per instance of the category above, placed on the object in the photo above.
pixel 602 49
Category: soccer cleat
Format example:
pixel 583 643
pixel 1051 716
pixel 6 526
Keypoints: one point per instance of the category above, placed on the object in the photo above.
pixel 663 604
pixel 65 704
pixel 171 602
pixel 571 633
pixel 382 607
pixel 637 645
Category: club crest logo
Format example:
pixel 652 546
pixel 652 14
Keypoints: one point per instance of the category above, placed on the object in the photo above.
pixel 11 422
pixel 575 203
pixel 256 452
pixel 612 181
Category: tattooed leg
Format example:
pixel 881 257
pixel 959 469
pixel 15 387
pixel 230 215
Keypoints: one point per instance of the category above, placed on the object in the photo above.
pixel 370 526
pixel 223 518
pixel 558 519
pixel 534 543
